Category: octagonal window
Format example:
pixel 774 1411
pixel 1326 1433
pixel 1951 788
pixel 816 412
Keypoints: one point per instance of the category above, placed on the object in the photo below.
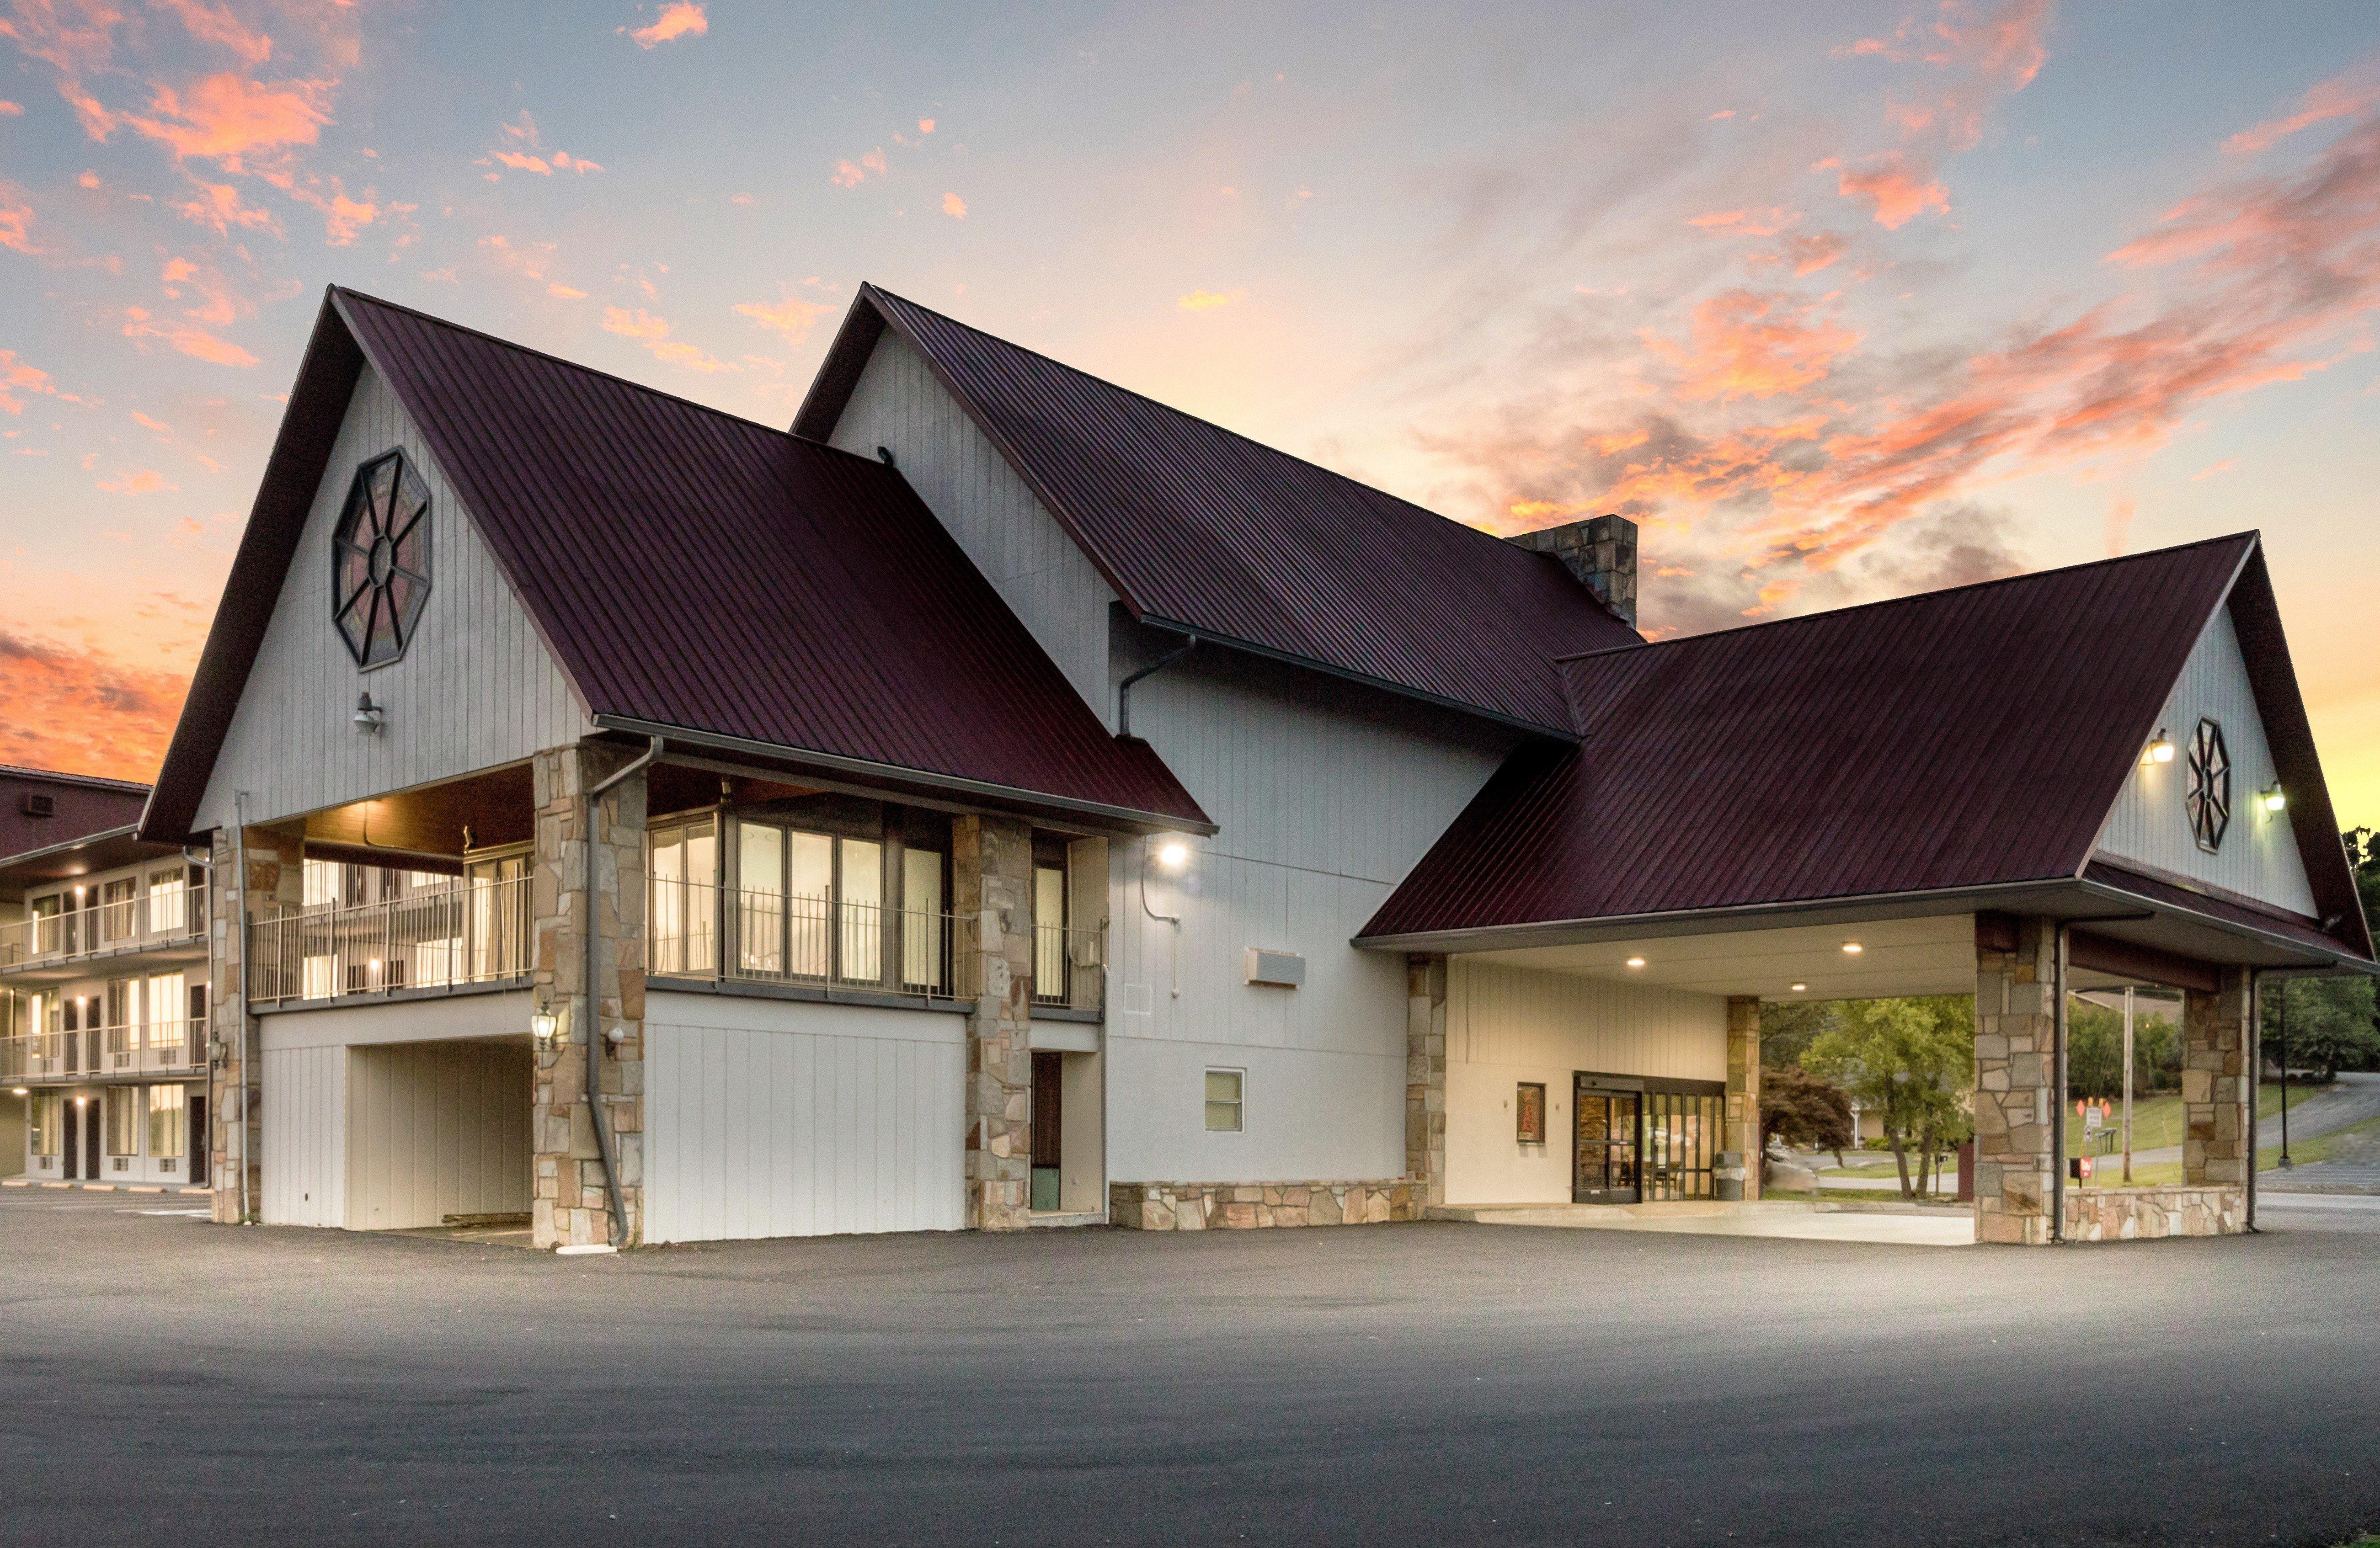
pixel 380 559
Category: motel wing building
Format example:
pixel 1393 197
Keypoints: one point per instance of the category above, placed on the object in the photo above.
pixel 1002 799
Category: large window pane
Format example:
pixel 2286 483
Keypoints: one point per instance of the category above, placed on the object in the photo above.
pixel 921 925
pixel 1050 934
pixel 760 901
pixel 862 910
pixel 168 1003
pixel 810 903
pixel 168 1135
pixel 123 1121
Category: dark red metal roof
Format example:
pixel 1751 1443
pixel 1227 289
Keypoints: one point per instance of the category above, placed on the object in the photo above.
pixel 688 569
pixel 81 805
pixel 1206 531
pixel 1966 738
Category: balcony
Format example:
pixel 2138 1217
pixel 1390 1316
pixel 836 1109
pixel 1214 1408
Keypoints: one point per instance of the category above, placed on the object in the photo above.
pixel 161 1048
pixel 838 948
pixel 475 932
pixel 168 917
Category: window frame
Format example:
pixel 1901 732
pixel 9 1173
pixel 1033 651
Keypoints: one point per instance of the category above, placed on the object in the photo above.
pixel 1238 1101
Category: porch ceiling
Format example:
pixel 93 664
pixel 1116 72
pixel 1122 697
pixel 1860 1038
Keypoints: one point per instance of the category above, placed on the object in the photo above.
pixel 1924 956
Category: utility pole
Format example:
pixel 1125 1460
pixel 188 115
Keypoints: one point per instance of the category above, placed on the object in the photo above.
pixel 2127 1085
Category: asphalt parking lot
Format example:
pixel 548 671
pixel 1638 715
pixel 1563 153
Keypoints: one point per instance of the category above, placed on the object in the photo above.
pixel 169 1381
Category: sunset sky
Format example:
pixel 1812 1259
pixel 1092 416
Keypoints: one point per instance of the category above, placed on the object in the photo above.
pixel 1838 301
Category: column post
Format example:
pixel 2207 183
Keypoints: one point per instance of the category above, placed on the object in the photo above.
pixel 991 864
pixel 1742 1132
pixel 2218 1083
pixel 2015 1076
pixel 1426 1074
pixel 275 879
pixel 570 1204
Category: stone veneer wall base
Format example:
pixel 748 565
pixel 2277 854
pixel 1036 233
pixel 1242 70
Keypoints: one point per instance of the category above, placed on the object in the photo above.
pixel 1218 1206
pixel 2132 1214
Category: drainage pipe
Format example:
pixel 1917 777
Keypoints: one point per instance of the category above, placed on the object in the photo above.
pixel 1123 689
pixel 590 948
pixel 246 977
pixel 2057 1093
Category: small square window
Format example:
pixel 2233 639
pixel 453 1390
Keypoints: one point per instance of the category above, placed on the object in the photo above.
pixel 1529 1113
pixel 1223 1091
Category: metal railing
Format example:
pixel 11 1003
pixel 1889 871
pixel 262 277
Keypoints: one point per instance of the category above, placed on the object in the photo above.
pixel 158 1048
pixel 165 917
pixel 775 938
pixel 474 932
pixel 1069 967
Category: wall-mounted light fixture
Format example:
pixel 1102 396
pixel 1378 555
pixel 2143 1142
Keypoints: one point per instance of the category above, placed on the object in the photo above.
pixel 1797 988
pixel 545 1026
pixel 2273 799
pixel 2159 750
pixel 369 717
pixel 1635 961
pixel 19 1090
pixel 1172 854
pixel 1852 949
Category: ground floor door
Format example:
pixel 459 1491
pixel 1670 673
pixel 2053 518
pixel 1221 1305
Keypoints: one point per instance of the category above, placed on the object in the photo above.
pixel 1049 1087
pixel 1606 1168
pixel 198 1152
pixel 72 1146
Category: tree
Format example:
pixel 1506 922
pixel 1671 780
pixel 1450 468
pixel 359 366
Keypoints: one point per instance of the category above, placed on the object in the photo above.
pixel 1804 1110
pixel 1788 1026
pixel 1909 1059
pixel 2364 853
pixel 2330 1026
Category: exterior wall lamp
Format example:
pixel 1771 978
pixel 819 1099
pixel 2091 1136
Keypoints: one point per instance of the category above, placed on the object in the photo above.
pixel 2159 750
pixel 545 1026
pixel 1852 949
pixel 1635 961
pixel 1173 855
pixel 2273 799
pixel 369 717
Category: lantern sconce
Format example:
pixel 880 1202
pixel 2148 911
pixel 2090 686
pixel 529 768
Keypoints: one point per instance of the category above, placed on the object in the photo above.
pixel 2274 800
pixel 2159 750
pixel 369 717
pixel 545 1026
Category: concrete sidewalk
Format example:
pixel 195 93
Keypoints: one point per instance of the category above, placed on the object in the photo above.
pixel 1809 1220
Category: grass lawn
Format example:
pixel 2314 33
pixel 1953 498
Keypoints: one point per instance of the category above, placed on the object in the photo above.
pixel 2305 1153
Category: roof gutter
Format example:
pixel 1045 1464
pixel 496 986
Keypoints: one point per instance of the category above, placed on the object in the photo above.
pixel 65 845
pixel 1120 817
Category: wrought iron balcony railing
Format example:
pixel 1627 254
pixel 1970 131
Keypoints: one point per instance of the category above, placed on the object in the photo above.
pixel 474 932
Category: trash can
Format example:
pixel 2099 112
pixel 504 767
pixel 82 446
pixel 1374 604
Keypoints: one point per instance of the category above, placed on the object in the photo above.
pixel 1728 1177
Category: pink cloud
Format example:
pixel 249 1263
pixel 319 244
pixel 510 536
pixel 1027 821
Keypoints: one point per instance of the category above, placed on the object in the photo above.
pixel 145 481
pixel 17 376
pixel 792 317
pixel 226 117
pixel 1896 188
pixel 953 206
pixel 11 110
pixel 679 19
pixel 2344 97
pixel 82 710
pixel 1752 346
pixel 850 175
pixel 653 334
pixel 215 24
pixel 218 205
pixel 16 219
pixel 194 342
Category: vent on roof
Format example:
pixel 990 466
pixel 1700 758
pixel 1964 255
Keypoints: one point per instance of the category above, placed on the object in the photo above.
pixel 1601 551
pixel 40 805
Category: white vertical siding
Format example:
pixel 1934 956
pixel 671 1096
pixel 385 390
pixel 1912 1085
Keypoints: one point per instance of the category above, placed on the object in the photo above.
pixel 434 1129
pixel 1506 1024
pixel 1046 581
pixel 2259 855
pixel 475 689
pixel 304 1159
pixel 770 1117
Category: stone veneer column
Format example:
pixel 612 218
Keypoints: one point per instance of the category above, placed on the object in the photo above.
pixel 2015 1083
pixel 275 880
pixel 1743 1130
pixel 1426 1075
pixel 991 864
pixel 2216 1085
pixel 570 1206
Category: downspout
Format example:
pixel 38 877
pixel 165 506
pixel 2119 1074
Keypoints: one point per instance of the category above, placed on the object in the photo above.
pixel 591 948
pixel 1123 689
pixel 246 940
pixel 2057 1093
pixel 2256 1062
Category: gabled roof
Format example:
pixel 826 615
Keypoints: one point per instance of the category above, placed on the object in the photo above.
pixel 1206 532
pixel 688 570
pixel 1961 739
pixel 85 831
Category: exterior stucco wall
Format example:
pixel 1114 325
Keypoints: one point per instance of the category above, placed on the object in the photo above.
pixel 1506 1024
pixel 477 688
pixel 2149 825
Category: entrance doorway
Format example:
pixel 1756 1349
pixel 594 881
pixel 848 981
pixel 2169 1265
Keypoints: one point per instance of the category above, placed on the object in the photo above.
pixel 1608 1123
pixel 1048 1085
pixel 199 1147
pixel 81 1137
pixel 1646 1139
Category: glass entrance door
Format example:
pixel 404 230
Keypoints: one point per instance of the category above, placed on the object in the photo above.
pixel 1681 1138
pixel 1606 1170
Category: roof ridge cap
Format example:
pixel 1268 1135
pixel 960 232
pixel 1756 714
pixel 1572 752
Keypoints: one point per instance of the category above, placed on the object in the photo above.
pixel 350 293
pixel 2250 534
pixel 25 770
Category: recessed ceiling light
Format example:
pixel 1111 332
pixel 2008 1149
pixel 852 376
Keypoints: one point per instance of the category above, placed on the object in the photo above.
pixel 1853 947
pixel 1799 987
pixel 1635 961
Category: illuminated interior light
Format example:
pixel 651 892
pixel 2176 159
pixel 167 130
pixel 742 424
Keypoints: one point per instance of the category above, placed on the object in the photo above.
pixel 1852 949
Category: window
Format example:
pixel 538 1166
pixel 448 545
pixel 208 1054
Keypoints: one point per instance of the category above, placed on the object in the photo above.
pixel 119 909
pixel 685 896
pixel 169 901
pixel 123 1121
pixel 45 1123
pixel 2208 803
pixel 922 947
pixel 1529 1113
pixel 169 999
pixel 498 921
pixel 379 560
pixel 860 899
pixel 168 1133
pixel 1223 1104
pixel 49 933
pixel 1050 934
pixel 120 1014
pixel 322 884
pixel 808 905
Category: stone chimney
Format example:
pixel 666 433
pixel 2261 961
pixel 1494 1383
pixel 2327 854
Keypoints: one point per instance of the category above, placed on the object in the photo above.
pixel 1601 551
